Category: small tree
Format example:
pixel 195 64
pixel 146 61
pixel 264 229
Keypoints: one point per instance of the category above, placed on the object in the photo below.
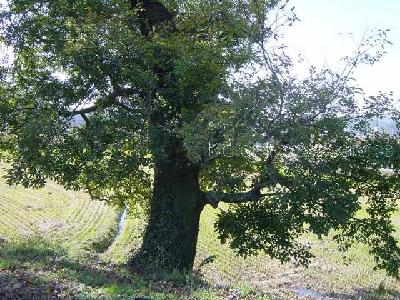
pixel 102 93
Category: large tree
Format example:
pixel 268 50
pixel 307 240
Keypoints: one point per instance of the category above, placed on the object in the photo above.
pixel 179 104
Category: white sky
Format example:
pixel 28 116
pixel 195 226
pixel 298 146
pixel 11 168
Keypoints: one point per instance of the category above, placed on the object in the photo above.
pixel 317 36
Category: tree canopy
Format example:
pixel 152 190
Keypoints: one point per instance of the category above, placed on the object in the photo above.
pixel 100 93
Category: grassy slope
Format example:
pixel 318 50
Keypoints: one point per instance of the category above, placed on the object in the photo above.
pixel 62 217
pixel 333 273
pixel 56 242
pixel 330 273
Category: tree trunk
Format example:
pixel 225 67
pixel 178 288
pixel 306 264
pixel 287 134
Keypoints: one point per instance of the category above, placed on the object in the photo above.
pixel 171 235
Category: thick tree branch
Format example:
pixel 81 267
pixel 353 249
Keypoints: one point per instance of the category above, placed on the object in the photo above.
pixel 86 119
pixel 109 100
pixel 213 198
pixel 151 14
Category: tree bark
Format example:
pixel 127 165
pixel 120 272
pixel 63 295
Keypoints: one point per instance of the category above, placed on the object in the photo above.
pixel 171 235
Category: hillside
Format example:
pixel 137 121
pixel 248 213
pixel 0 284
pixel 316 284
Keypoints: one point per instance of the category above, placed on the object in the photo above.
pixel 59 244
pixel 67 218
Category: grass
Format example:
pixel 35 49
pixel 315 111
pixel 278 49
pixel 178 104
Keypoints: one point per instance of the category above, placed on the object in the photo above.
pixel 347 275
pixel 63 217
pixel 57 243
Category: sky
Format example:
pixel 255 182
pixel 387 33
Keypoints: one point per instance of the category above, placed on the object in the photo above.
pixel 321 37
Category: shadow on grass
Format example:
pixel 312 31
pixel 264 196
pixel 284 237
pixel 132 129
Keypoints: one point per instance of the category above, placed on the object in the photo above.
pixel 36 269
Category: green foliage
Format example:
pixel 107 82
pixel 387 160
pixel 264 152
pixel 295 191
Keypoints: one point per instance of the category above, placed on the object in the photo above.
pixel 90 102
